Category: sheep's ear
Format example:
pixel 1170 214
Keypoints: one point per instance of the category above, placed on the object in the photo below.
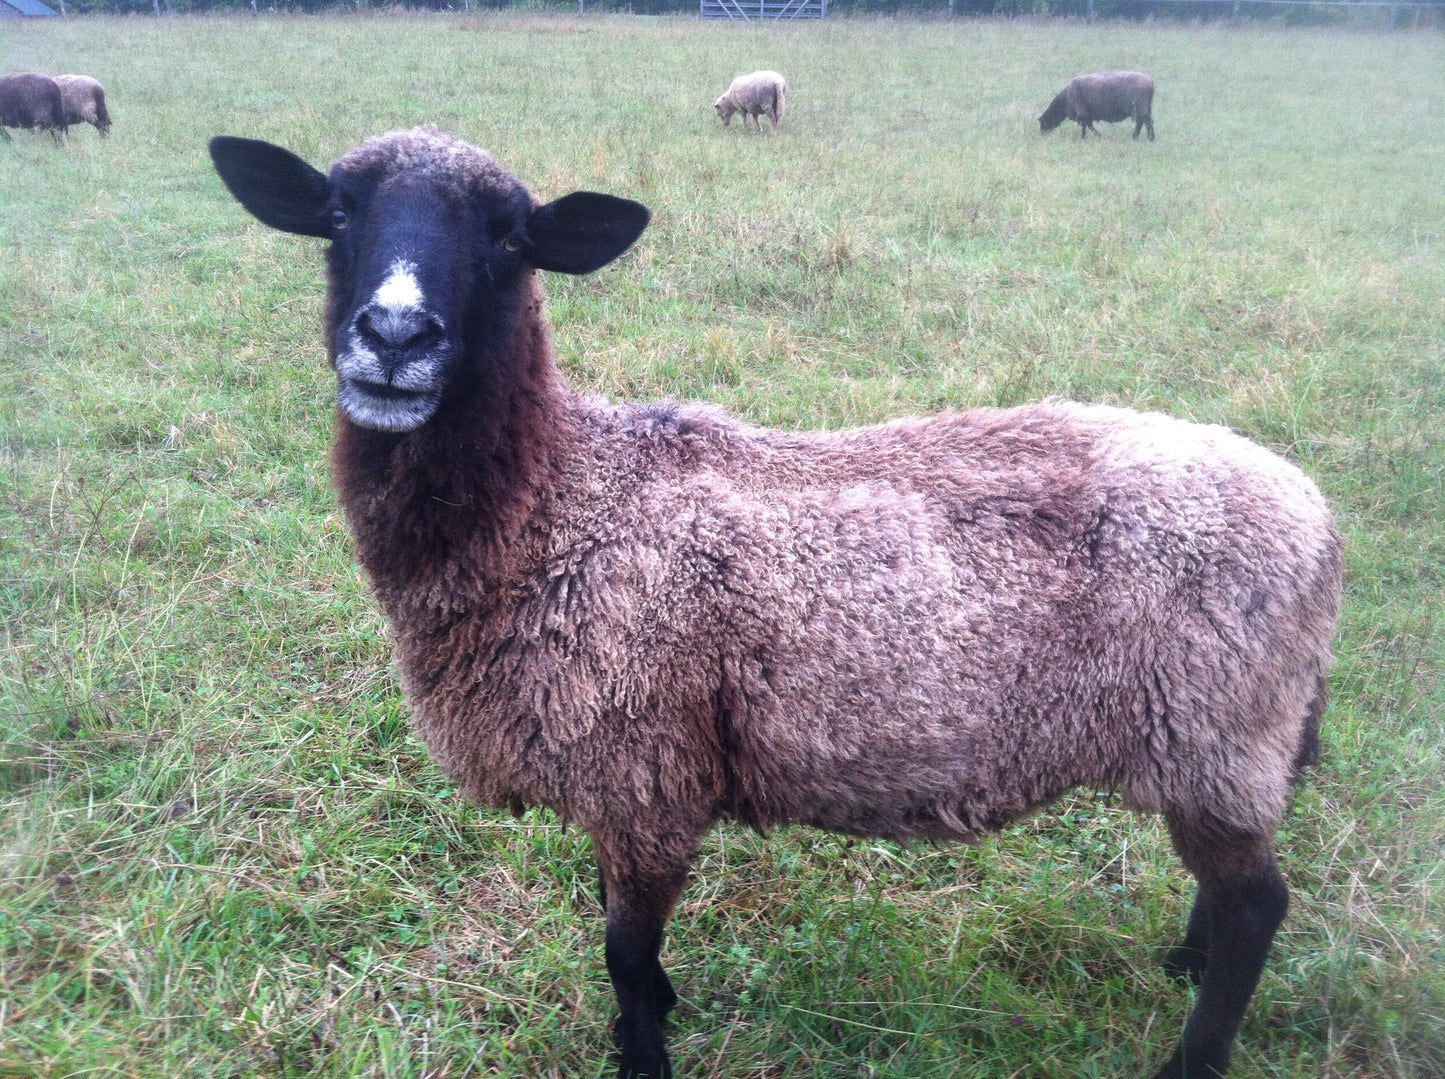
pixel 274 184
pixel 583 231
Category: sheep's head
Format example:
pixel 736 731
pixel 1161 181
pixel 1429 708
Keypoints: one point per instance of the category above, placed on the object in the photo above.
pixel 430 239
pixel 725 108
pixel 1054 115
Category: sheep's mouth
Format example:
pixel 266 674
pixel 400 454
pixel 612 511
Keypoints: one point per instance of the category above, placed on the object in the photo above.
pixel 384 406
pixel 386 392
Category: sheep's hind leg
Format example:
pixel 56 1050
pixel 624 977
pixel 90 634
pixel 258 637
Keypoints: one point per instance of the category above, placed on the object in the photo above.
pixel 1185 961
pixel 639 897
pixel 665 994
pixel 1242 901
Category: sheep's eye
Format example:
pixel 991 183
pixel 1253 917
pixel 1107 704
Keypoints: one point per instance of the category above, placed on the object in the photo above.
pixel 338 219
pixel 511 243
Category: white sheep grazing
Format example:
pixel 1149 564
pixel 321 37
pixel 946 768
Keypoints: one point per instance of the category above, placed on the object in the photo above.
pixel 84 102
pixel 760 94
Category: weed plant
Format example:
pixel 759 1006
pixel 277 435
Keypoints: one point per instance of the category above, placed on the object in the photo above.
pixel 223 853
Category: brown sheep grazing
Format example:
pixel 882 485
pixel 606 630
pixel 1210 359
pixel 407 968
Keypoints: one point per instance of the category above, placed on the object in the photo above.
pixel 653 617
pixel 763 93
pixel 84 102
pixel 1109 96
pixel 32 101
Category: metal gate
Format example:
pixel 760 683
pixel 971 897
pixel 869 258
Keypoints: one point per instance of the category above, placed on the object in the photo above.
pixel 748 10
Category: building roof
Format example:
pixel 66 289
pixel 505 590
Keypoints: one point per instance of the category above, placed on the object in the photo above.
pixel 26 7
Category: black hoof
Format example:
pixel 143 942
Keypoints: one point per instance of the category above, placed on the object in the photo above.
pixel 1185 965
pixel 645 1069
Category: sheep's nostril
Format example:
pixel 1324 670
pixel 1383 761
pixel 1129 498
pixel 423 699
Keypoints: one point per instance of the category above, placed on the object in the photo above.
pixel 426 333
pixel 367 332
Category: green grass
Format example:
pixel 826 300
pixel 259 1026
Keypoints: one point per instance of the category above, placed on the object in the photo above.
pixel 221 850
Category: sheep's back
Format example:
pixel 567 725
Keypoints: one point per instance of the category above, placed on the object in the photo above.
pixel 1110 96
pixel 996 613
pixel 921 628
pixel 82 97
pixel 29 99
pixel 756 92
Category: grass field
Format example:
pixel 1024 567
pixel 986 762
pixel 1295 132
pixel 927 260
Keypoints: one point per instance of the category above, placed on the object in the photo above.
pixel 222 853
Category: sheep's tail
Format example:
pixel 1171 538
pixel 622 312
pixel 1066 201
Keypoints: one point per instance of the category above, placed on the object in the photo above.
pixel 1307 753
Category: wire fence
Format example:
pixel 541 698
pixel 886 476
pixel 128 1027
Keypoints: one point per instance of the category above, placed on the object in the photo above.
pixel 1381 14
pixel 1239 9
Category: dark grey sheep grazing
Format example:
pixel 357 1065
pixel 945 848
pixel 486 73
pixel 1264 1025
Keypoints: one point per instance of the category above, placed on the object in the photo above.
pixel 84 101
pixel 1109 96
pixel 650 618
pixel 32 101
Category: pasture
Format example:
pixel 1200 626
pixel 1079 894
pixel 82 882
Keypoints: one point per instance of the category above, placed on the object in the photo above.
pixel 221 850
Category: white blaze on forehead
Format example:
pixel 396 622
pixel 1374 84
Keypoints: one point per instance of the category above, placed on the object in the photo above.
pixel 400 289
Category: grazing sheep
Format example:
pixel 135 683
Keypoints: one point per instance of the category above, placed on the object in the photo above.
pixel 652 617
pixel 1110 96
pixel 31 100
pixel 84 102
pixel 763 93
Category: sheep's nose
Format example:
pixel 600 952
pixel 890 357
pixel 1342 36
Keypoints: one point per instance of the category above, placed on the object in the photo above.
pixel 396 336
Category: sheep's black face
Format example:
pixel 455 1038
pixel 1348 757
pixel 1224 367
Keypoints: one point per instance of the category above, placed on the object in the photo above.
pixel 429 239
pixel 401 272
pixel 1054 115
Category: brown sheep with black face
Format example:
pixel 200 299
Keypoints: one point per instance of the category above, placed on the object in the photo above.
pixel 654 617
pixel 1108 96
pixel 31 100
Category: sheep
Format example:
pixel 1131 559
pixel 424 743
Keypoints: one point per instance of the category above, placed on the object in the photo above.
pixel 84 102
pixel 1110 96
pixel 653 617
pixel 31 100
pixel 763 93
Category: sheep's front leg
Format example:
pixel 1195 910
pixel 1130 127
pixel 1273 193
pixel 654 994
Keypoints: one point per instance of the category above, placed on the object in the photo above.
pixel 640 887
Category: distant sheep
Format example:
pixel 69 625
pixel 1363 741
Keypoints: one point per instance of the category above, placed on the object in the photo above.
pixel 763 93
pixel 84 101
pixel 32 101
pixel 653 617
pixel 1109 96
